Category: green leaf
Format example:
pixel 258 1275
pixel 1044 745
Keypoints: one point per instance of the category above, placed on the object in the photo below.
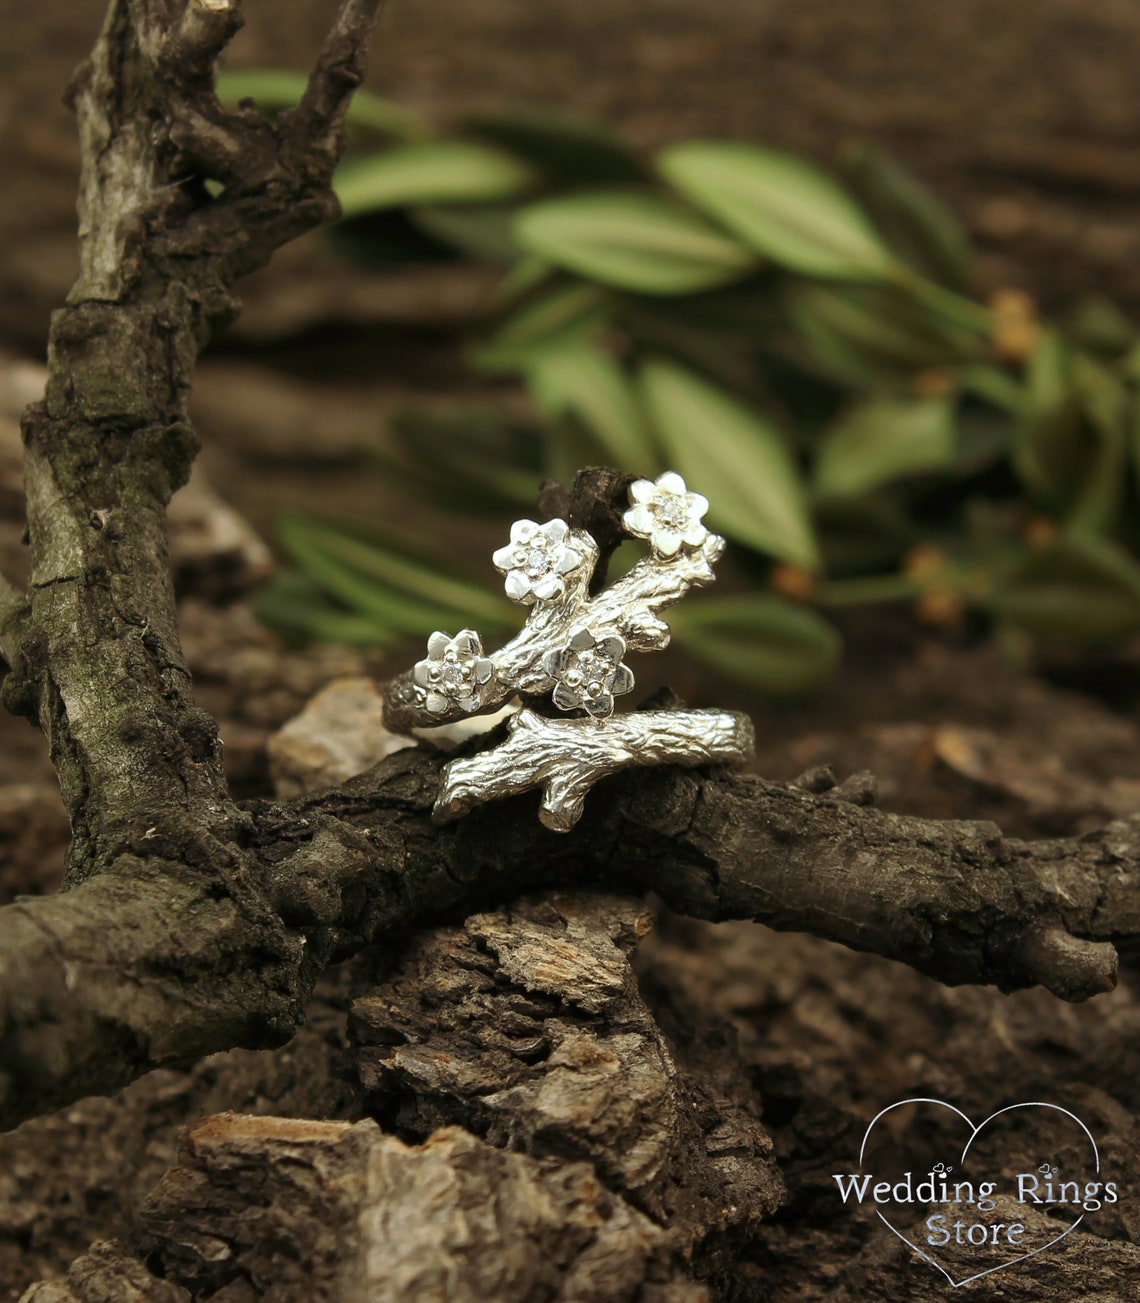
pixel 780 206
pixel 633 240
pixel 431 172
pixel 298 609
pixel 375 582
pixel 470 600
pixel 994 386
pixel 982 439
pixel 470 461
pixel 571 148
pixel 762 640
pixel 1079 589
pixel 570 445
pixel 577 378
pixel 274 89
pixel 861 537
pixel 553 312
pixel 481 231
pixel 1134 435
pixel 884 440
pixel 1102 328
pixel 1104 401
pixel 749 309
pixel 679 328
pixel 1051 444
pixel 923 231
pixel 866 335
pixel 732 455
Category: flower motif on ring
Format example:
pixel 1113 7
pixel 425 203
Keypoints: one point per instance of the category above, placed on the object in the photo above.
pixel 455 672
pixel 666 514
pixel 588 672
pixel 535 560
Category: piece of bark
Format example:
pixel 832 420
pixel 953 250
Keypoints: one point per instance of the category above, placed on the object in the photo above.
pixel 830 1037
pixel 96 660
pixel 106 1273
pixel 81 1174
pixel 526 1026
pixel 874 1264
pixel 332 1212
pixel 335 871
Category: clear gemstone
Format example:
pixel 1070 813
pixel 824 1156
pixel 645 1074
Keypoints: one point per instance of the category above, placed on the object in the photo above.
pixel 537 562
pixel 596 670
pixel 454 674
pixel 670 511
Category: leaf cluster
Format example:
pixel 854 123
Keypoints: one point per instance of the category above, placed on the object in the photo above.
pixel 803 348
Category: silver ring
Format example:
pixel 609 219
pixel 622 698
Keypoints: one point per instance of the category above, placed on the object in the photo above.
pixel 571 653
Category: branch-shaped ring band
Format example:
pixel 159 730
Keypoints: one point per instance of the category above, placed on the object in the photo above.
pixel 569 658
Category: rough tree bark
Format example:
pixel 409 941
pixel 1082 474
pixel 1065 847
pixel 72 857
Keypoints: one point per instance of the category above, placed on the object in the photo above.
pixel 192 923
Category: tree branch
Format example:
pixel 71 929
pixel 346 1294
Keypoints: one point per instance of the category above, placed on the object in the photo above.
pixel 194 924
pixel 103 672
pixel 13 609
pixel 155 963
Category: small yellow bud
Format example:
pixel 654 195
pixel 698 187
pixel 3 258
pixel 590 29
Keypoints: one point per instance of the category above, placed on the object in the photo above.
pixel 1040 532
pixel 934 383
pixel 793 581
pixel 924 561
pixel 940 608
pixel 1017 326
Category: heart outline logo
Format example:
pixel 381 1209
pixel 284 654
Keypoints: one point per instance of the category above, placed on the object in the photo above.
pixel 974 1132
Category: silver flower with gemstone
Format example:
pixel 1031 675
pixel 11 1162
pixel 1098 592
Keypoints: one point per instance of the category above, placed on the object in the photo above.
pixel 454 671
pixel 666 514
pixel 588 672
pixel 535 560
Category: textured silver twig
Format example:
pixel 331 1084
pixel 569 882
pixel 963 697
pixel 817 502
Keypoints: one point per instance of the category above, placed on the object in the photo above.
pixel 573 648
pixel 566 757
pixel 629 606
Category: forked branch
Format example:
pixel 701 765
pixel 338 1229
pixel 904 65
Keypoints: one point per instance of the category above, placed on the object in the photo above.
pixel 566 757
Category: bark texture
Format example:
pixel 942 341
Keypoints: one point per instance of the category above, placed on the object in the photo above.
pixel 94 650
pixel 107 1272
pixel 347 1214
pixel 527 1026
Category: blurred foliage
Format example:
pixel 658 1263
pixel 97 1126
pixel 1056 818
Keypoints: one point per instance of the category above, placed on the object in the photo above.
pixel 803 349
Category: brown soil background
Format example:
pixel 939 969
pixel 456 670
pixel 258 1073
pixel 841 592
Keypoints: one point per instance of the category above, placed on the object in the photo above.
pixel 1025 115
